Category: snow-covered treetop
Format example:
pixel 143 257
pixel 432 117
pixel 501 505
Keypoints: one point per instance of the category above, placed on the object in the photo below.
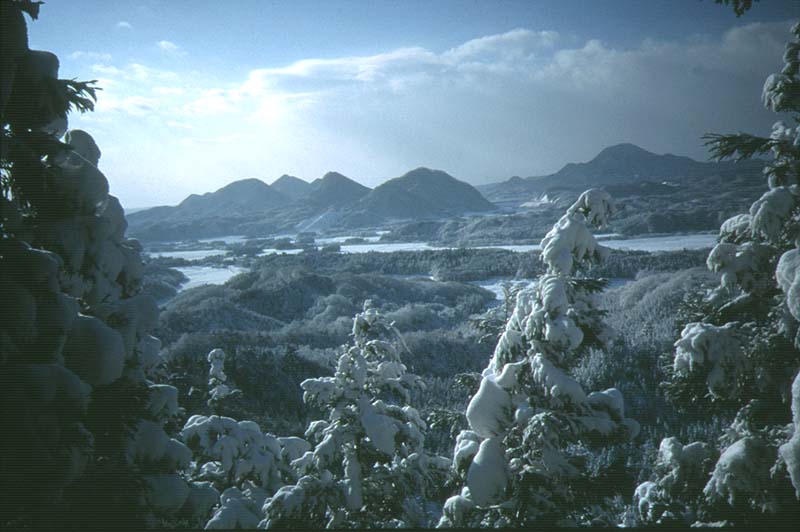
pixel 569 241
pixel 217 379
pixel 368 453
pixel 528 408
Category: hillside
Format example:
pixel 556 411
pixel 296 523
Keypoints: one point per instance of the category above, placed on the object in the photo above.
pixel 291 186
pixel 334 201
pixel 334 190
pixel 212 214
pixel 627 167
pixel 240 198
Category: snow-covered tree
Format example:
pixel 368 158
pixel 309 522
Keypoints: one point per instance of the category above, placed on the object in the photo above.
pixel 520 460
pixel 217 379
pixel 368 466
pixel 741 347
pixel 236 466
pixel 83 425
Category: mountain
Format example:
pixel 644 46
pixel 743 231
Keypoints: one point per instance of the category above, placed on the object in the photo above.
pixel 423 193
pixel 211 214
pixel 623 166
pixel 243 197
pixel 291 186
pixel 628 162
pixel 334 190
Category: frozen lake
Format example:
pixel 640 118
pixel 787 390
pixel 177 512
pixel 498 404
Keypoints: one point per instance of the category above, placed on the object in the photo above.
pixel 231 239
pixel 195 254
pixel 496 284
pixel 649 243
pixel 200 275
pixel 270 251
pixel 665 243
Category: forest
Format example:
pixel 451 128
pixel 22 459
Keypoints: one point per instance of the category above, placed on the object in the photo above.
pixel 390 390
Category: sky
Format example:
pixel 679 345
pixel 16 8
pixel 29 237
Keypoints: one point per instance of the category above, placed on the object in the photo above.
pixel 199 93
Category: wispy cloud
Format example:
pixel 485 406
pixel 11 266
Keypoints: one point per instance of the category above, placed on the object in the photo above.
pixel 91 56
pixel 170 47
pixel 521 102
pixel 124 24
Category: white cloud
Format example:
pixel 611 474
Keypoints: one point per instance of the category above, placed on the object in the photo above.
pixel 92 56
pixel 169 91
pixel 138 106
pixel 522 102
pixel 108 70
pixel 124 24
pixel 170 47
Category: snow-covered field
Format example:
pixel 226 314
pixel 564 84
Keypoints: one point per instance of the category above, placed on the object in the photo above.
pixel 650 243
pixel 665 243
pixel 496 284
pixel 200 275
pixel 230 239
pixel 195 254
pixel 270 251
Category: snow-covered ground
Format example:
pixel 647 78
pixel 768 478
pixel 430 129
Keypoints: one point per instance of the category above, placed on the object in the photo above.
pixel 649 243
pixel 665 243
pixel 200 275
pixel 341 239
pixel 270 251
pixel 387 247
pixel 495 284
pixel 230 239
pixel 195 254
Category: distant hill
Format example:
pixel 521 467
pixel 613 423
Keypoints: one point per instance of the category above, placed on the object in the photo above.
pixel 619 165
pixel 248 196
pixel 334 190
pixel 423 193
pixel 251 207
pixel 245 196
pixel 291 186
pixel 211 214
pixel 655 193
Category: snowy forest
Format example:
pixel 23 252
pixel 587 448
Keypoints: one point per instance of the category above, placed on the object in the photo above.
pixel 382 390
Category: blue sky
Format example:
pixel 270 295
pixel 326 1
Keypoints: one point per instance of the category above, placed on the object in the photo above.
pixel 198 93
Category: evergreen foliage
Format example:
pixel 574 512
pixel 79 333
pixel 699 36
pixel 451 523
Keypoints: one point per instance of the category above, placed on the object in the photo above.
pixel 523 460
pixel 740 347
pixel 84 424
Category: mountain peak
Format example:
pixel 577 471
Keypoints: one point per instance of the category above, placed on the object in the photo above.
pixel 250 183
pixel 291 186
pixel 626 150
pixel 286 177
pixel 427 174
pixel 335 189
pixel 335 176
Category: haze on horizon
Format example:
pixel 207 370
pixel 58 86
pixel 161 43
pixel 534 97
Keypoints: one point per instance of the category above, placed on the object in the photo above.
pixel 199 94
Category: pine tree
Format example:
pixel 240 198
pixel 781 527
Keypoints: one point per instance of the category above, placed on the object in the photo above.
pixel 236 466
pixel 519 462
pixel 740 350
pixel 84 427
pixel 368 466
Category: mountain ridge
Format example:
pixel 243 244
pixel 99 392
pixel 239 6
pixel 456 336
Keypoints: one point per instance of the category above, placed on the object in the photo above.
pixel 624 164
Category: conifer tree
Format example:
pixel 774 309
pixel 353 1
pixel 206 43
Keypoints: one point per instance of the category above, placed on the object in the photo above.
pixel 516 461
pixel 368 466
pixel 83 424
pixel 740 351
